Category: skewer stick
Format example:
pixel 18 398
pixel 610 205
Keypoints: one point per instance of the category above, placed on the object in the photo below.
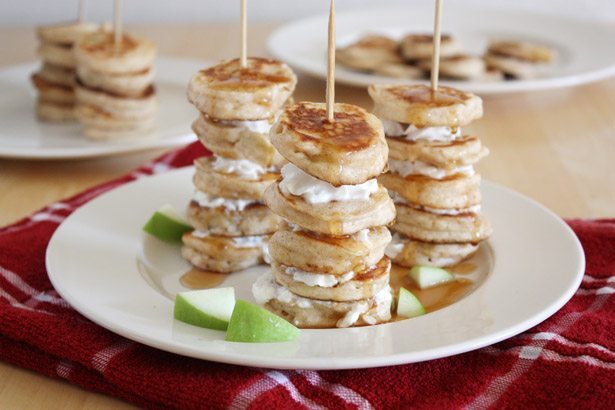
pixel 331 64
pixel 82 4
pixel 117 23
pixel 435 62
pixel 244 35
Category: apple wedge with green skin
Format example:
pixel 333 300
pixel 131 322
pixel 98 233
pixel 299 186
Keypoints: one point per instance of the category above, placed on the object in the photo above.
pixel 409 305
pixel 209 308
pixel 428 276
pixel 166 224
pixel 253 324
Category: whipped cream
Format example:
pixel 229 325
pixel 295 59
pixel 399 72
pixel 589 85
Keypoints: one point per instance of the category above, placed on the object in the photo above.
pixel 249 241
pixel 395 246
pixel 315 191
pixel 414 133
pixel 382 302
pixel 265 289
pixel 243 168
pixel 259 126
pixel 363 236
pixel 405 168
pixel 206 200
pixel 317 279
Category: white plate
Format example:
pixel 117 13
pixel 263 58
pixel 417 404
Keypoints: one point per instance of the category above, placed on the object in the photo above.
pixel 585 48
pixel 22 136
pixel 103 265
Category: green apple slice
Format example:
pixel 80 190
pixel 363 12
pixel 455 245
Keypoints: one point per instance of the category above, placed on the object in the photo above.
pixel 166 224
pixel 253 324
pixel 428 276
pixel 209 308
pixel 408 305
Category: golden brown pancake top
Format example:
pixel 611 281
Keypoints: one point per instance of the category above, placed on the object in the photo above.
pixel 260 73
pixel 350 130
pixel 427 38
pixel 102 43
pixel 423 95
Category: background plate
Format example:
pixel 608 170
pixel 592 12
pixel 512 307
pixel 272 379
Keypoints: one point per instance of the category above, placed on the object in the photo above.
pixel 585 48
pixel 94 256
pixel 22 136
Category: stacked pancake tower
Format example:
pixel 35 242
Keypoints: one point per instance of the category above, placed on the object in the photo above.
pixel 328 264
pixel 431 175
pixel 238 105
pixel 114 87
pixel 54 80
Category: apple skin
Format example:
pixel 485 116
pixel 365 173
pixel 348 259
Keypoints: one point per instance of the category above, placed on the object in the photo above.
pixel 193 314
pixel 429 276
pixel 408 305
pixel 253 324
pixel 166 228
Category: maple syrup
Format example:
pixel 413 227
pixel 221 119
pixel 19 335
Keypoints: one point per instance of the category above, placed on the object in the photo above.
pixel 199 279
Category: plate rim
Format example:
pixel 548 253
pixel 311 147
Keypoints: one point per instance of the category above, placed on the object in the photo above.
pixel 77 153
pixel 357 79
pixel 347 362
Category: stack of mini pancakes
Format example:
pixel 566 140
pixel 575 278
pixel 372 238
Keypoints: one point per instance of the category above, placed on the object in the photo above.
pixel 116 97
pixel 328 264
pixel 519 59
pixel 431 175
pixel 54 80
pixel 237 108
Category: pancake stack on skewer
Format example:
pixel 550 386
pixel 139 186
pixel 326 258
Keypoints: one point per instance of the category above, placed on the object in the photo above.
pixel 238 105
pixel 116 97
pixel 54 80
pixel 431 175
pixel 328 266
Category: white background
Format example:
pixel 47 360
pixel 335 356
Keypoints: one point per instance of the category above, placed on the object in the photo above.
pixel 28 12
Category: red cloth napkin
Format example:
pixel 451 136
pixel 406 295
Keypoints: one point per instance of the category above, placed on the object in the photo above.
pixel 568 361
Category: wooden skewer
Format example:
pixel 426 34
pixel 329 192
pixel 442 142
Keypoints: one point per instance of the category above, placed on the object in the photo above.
pixel 82 4
pixel 117 23
pixel 331 64
pixel 244 35
pixel 435 58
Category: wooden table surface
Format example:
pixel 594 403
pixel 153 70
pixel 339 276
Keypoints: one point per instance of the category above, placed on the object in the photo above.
pixel 557 147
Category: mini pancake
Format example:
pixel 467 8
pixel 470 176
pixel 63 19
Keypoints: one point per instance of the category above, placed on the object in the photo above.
pixel 408 252
pixel 430 227
pixel 466 150
pixel 348 151
pixel 456 191
pixel 514 67
pixel 369 53
pixel 418 105
pixel 216 183
pixel 120 107
pixel 310 313
pixel 459 66
pixel 255 219
pixel 64 33
pixel 332 218
pixel 93 116
pixel 335 255
pixel 52 92
pixel 61 56
pixel 399 70
pixel 420 46
pixel 228 92
pixel 356 286
pixel 129 84
pixel 57 75
pixel 219 254
pixel 55 112
pixel 236 142
pixel 98 52
pixel 518 58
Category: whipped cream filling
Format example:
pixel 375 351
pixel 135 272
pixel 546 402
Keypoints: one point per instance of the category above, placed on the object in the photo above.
pixel 317 279
pixel 206 200
pixel 297 182
pixel 243 168
pixel 398 199
pixel 256 241
pixel 265 289
pixel 405 168
pixel 395 246
pixel 259 126
pixel 414 133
